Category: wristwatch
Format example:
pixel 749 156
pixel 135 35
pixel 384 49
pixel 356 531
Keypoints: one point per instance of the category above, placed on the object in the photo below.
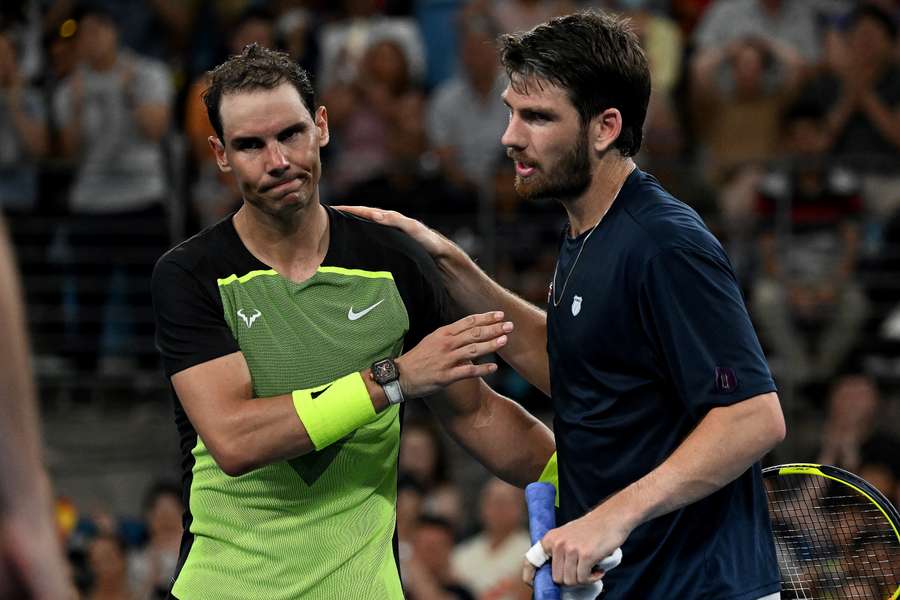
pixel 387 375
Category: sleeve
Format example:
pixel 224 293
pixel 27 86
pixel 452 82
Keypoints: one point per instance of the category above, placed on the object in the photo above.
pixel 190 323
pixel 428 303
pixel 693 311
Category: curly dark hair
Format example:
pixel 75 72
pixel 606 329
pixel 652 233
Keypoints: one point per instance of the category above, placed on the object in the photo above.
pixel 254 68
pixel 596 57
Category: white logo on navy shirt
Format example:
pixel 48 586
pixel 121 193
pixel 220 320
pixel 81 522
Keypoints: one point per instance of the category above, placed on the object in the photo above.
pixel 576 305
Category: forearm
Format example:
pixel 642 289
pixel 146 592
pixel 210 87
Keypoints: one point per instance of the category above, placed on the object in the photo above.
pixel 475 291
pixel 243 433
pixel 496 431
pixel 724 445
pixel 21 469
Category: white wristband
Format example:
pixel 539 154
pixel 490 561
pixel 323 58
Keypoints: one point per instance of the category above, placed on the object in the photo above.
pixel 536 555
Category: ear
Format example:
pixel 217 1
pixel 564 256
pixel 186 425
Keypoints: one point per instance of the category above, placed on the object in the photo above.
pixel 605 130
pixel 219 150
pixel 322 126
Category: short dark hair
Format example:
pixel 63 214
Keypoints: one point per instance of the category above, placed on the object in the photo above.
pixel 596 57
pixel 255 68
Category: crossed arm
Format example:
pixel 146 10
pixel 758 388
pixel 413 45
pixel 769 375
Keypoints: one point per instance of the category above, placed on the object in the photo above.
pixel 243 433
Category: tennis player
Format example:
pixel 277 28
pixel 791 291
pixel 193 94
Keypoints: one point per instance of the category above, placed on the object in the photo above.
pixel 664 402
pixel 292 334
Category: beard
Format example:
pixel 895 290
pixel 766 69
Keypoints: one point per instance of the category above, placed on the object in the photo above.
pixel 567 179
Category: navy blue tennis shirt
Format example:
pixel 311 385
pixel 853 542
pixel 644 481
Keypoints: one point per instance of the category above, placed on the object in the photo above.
pixel 650 333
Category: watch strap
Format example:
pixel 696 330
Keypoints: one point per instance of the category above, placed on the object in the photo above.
pixel 393 392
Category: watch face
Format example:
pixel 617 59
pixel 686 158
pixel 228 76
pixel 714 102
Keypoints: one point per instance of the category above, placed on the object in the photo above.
pixel 384 371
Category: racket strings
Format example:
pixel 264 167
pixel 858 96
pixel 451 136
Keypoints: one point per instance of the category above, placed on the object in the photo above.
pixel 831 544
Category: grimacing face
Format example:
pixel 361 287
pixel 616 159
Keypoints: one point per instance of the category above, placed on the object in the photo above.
pixel 547 141
pixel 271 146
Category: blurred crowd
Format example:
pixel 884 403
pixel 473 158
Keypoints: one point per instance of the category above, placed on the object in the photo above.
pixel 777 120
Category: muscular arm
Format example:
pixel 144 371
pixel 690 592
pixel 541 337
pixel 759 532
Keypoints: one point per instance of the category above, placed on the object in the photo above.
pixel 499 433
pixel 244 433
pixel 726 442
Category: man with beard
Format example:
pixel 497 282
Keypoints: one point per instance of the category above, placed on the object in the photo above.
pixel 664 402
pixel 281 328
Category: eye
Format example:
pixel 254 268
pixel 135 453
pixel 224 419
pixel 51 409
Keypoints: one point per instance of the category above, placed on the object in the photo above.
pixel 290 134
pixel 244 145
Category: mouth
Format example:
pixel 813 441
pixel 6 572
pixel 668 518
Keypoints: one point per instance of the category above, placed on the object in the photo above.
pixel 285 186
pixel 524 170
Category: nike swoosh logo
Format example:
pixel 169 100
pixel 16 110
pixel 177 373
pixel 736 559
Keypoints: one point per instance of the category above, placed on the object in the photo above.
pixel 358 315
pixel 314 395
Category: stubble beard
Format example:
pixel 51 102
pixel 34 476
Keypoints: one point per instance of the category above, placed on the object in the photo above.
pixel 568 179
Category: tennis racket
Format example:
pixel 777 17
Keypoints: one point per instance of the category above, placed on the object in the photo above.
pixel 836 536
pixel 540 498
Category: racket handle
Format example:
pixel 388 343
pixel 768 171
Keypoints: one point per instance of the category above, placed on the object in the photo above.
pixel 541 500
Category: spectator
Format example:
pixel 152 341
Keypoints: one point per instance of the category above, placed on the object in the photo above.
pixel 423 457
pixel 383 102
pixel 490 563
pixel 214 194
pixel 664 45
pixel 466 116
pixel 113 112
pixel 740 91
pixel 153 567
pixel 429 574
pixel 23 132
pixel 856 438
pixel 343 43
pixel 810 211
pixel 793 23
pixel 107 561
pixel 861 91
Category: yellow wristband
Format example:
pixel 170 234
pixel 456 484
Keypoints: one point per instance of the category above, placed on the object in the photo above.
pixel 550 474
pixel 330 412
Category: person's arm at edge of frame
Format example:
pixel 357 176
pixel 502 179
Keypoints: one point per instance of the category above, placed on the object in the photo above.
pixel 28 536
pixel 474 291
pixel 726 442
pixel 243 432
pixel 495 430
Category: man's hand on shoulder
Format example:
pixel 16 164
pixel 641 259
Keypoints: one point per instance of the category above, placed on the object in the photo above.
pixel 435 244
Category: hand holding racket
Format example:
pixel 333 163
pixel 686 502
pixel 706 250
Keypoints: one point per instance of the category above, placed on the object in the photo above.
pixel 542 519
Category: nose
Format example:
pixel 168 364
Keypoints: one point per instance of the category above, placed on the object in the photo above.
pixel 512 137
pixel 276 161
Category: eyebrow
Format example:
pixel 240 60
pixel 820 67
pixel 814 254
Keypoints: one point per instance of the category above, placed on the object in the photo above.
pixel 298 126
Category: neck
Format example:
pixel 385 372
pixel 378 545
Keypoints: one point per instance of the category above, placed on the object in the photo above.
pixel 609 177
pixel 294 246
